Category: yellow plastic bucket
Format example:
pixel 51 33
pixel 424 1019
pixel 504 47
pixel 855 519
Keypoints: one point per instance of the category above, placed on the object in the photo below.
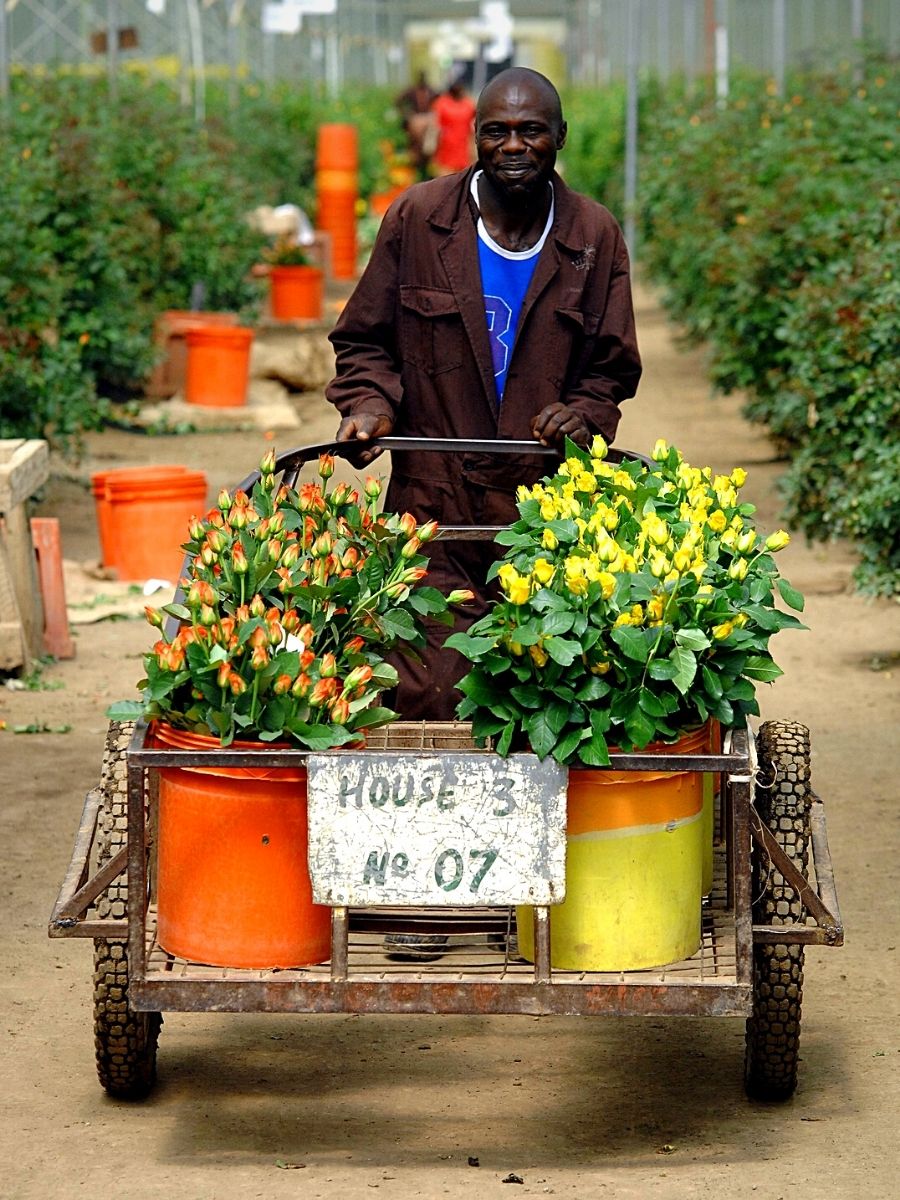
pixel 634 862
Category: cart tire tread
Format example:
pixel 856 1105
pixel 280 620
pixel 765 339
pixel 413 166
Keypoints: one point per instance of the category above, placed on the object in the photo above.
pixel 782 799
pixel 125 1041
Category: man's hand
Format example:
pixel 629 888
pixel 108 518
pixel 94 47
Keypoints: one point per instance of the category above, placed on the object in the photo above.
pixel 557 422
pixel 361 428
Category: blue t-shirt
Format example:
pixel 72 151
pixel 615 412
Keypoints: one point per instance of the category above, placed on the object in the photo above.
pixel 505 276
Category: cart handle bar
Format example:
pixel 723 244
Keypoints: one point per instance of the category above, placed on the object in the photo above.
pixel 290 462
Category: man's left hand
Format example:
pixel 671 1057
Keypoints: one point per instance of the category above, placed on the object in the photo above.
pixel 557 422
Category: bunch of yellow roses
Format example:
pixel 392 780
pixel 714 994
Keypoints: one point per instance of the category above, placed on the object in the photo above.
pixel 636 600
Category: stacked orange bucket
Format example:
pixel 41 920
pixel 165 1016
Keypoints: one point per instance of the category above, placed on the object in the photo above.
pixel 337 190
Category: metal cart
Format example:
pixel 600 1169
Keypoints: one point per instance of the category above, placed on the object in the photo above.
pixel 773 894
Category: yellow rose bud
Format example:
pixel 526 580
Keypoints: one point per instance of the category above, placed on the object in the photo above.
pixel 519 591
pixel 607 583
pixel 539 655
pixel 599 668
pixel 543 570
pixel 598 447
pixel 720 632
pixel 717 521
pixel 746 540
pixel 548 509
pixel 585 482
pixel 660 450
pixel 738 477
pixel 738 568
pixel 777 540
pixel 625 618
pixel 549 540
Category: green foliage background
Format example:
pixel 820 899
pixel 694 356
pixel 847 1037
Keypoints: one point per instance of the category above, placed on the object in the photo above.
pixel 770 223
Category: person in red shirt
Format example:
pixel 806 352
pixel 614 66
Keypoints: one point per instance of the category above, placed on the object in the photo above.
pixel 454 111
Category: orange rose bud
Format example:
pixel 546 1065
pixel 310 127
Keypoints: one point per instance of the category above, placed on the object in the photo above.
pixel 326 465
pixel 322 546
pixel 306 633
pixel 460 596
pixel 195 528
pixel 238 518
pixel 291 556
pixel 301 686
pixel 267 462
pixel 328 669
pixel 372 487
pixel 274 549
pixel 259 659
pixel 340 711
pixel 322 692
pixel 358 677
pixel 237 685
pixel 155 616
pixel 291 620
pixel 274 633
pixel 411 548
pixel 340 495
pixel 239 559
pixel 408 524
pixel 223 674
pixel 427 531
pixel 354 645
pixel 282 684
pixel 207 615
pixel 257 606
pixel 307 658
pixel 242 613
pixel 413 574
pixel 224 500
pixel 350 557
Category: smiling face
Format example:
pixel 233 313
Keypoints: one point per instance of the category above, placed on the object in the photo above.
pixel 518 131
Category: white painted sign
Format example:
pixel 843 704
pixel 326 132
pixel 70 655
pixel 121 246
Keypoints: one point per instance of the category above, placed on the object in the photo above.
pixel 444 830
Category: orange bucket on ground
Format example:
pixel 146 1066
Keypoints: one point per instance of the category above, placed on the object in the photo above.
pixel 633 869
pixel 168 375
pixel 337 147
pixel 233 887
pixel 218 365
pixel 295 293
pixel 143 516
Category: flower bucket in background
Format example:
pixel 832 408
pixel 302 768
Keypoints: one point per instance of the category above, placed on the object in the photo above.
pixel 337 190
pixel 143 514
pixel 233 887
pixel 170 331
pixel 218 366
pixel 295 292
pixel 634 853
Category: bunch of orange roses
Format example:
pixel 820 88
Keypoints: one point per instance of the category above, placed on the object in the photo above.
pixel 291 599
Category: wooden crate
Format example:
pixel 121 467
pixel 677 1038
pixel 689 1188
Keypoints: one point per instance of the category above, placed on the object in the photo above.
pixel 24 467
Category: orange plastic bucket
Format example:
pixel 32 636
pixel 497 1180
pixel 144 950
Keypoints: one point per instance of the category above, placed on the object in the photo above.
pixel 143 515
pixel 233 887
pixel 336 215
pixel 171 331
pixel 633 868
pixel 295 293
pixel 218 365
pixel 101 503
pixel 337 147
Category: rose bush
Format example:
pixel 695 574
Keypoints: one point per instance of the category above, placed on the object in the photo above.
pixel 292 598
pixel 637 602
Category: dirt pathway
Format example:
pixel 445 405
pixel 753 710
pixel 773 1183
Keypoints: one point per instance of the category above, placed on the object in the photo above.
pixel 342 1106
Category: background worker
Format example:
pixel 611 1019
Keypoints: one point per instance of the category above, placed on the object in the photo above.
pixel 419 124
pixel 454 115
pixel 497 305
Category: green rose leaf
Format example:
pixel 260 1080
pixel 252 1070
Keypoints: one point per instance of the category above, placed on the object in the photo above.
pixel 790 595
pixel 693 639
pixel 592 689
pixel 711 682
pixel 639 727
pixel 557 622
pixel 757 667
pixel 632 642
pixel 562 651
pixel 685 664
pixel 505 740
pixel 662 668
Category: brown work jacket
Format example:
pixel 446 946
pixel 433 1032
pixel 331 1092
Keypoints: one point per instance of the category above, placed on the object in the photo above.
pixel 412 344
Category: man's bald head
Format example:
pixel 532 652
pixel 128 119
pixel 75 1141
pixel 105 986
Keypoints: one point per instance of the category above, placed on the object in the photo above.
pixel 516 82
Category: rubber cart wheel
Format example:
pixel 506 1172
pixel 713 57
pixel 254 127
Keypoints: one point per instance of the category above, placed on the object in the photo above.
pixel 782 796
pixel 125 1040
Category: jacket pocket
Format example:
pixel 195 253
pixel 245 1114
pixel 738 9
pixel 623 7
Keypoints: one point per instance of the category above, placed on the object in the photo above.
pixel 432 335
pixel 580 327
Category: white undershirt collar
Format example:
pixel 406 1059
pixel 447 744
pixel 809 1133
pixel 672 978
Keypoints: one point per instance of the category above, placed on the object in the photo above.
pixel 501 250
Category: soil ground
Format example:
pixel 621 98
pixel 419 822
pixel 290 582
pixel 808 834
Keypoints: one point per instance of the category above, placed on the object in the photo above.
pixel 341 1106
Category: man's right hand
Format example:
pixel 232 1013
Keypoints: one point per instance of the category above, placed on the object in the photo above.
pixel 362 428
